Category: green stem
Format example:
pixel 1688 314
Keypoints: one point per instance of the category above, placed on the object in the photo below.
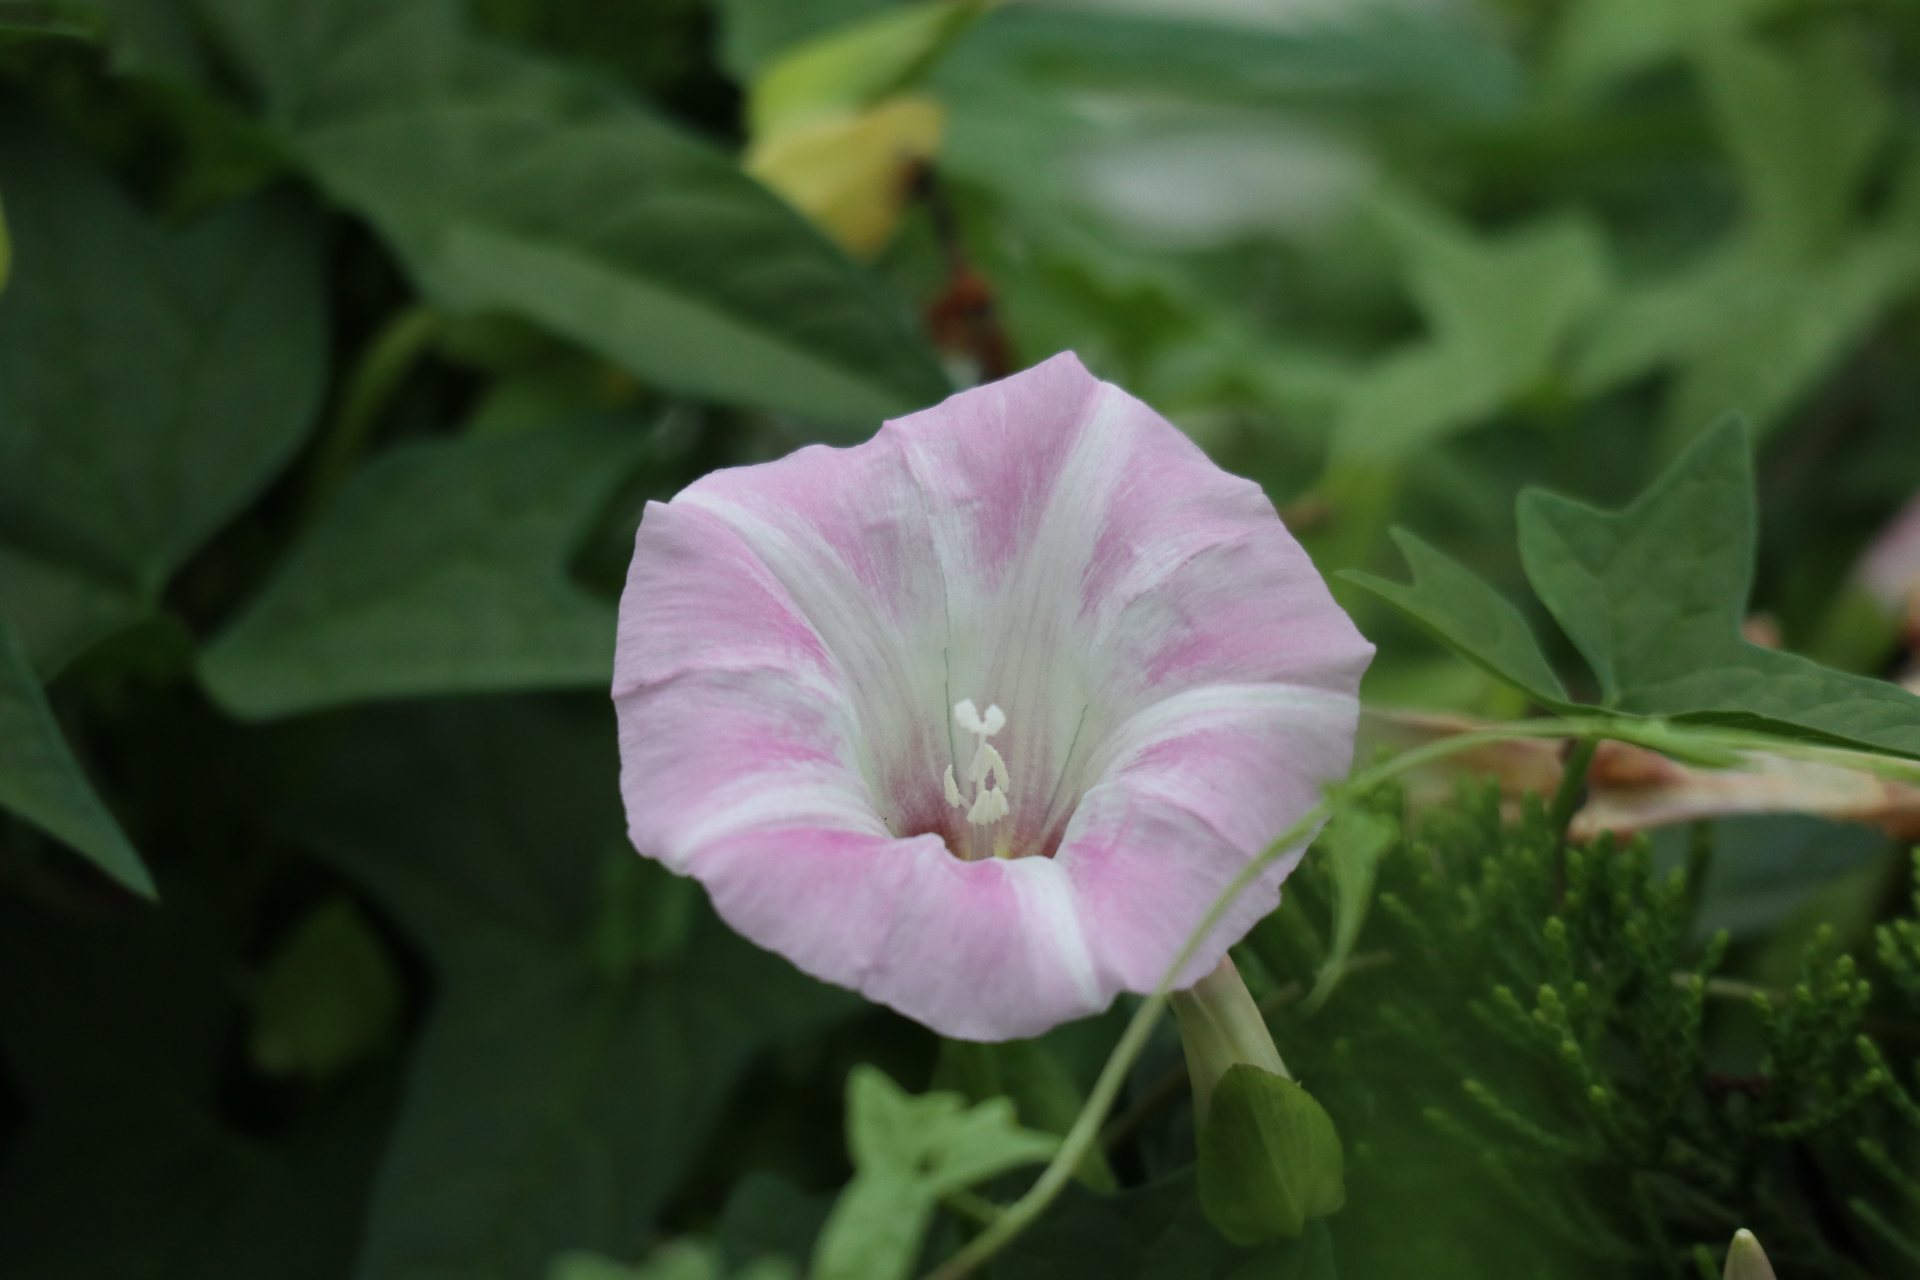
pixel 388 357
pixel 1573 786
pixel 1086 1128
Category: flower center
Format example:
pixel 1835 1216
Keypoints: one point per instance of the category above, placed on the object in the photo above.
pixel 988 773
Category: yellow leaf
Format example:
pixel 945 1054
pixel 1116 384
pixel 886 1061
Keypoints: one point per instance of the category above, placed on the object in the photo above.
pixel 852 173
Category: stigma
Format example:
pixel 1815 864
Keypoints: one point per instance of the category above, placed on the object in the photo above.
pixel 988 773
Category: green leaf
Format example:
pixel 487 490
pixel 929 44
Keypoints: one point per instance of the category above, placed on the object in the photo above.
pixel 677 1260
pixel 440 568
pixel 560 1088
pixel 1760 317
pixel 768 1217
pixel 1353 844
pixel 908 1152
pixel 118 1032
pixel 328 999
pixel 1155 1232
pixel 1469 617
pixel 1270 1158
pixel 151 384
pixel 42 782
pixel 1654 596
pixel 1045 1095
pixel 1499 311
pixel 507 183
pixel 849 68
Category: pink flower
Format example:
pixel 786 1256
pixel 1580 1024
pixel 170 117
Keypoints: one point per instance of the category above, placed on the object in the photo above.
pixel 978 717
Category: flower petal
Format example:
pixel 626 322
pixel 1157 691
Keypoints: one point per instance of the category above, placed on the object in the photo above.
pixel 1192 790
pixel 1177 685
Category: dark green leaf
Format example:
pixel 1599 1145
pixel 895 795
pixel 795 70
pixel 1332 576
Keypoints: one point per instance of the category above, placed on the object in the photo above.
pixel 1270 1159
pixel 507 183
pixel 151 384
pixel 1654 597
pixel 1156 1232
pixel 562 1086
pixel 769 1217
pixel 1469 617
pixel 42 782
pixel 441 568
pixel 116 1030
pixel 1642 593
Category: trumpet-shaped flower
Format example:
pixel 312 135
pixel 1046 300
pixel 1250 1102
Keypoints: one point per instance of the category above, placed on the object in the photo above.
pixel 978 717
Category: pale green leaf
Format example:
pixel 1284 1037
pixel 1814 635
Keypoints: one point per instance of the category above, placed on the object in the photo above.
pixel 846 69
pixel 1499 312
pixel 327 998
pixel 441 568
pixel 1761 317
pixel 1352 846
pixel 908 1152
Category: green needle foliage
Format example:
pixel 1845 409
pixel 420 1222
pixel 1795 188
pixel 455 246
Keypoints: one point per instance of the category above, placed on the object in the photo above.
pixel 1544 1077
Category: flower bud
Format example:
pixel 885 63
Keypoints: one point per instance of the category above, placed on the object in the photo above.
pixel 1746 1260
pixel 1270 1158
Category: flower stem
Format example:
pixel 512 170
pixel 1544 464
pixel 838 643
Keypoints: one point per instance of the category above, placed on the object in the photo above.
pixel 388 357
pixel 1573 786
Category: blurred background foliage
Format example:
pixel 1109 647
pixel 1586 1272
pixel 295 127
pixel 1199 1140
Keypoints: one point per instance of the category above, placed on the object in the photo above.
pixel 343 341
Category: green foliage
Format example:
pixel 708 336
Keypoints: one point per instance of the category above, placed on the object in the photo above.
pixel 682 1260
pixel 908 1152
pixel 1541 1078
pixel 589 214
pixel 592 1014
pixel 42 782
pixel 441 569
pixel 1155 1232
pixel 151 384
pixel 1653 597
pixel 409 1005
pixel 1469 617
pixel 1499 313
pixel 116 1027
pixel 327 1000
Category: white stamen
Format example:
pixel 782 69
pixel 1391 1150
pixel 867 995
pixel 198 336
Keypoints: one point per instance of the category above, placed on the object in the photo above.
pixel 988 772
pixel 988 808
